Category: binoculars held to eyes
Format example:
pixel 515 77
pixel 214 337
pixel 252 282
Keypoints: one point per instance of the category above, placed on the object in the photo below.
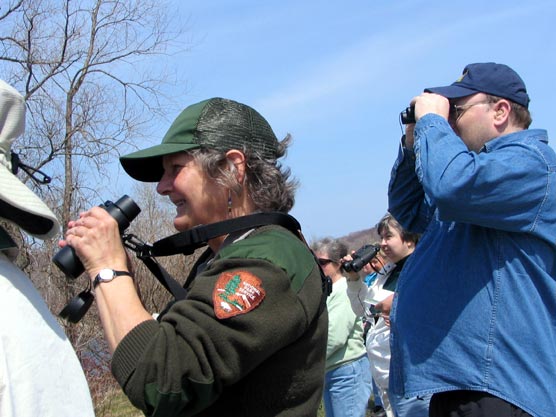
pixel 408 115
pixel 361 257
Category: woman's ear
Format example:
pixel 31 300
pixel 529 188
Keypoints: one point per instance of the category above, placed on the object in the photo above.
pixel 236 158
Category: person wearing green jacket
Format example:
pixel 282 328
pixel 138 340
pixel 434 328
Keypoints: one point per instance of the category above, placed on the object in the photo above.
pixel 348 383
pixel 249 339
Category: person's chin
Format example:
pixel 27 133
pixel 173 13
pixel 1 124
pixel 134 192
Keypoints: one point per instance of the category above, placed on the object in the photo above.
pixel 182 223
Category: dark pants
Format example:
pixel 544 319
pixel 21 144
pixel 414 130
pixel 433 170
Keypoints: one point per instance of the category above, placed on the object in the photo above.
pixel 472 404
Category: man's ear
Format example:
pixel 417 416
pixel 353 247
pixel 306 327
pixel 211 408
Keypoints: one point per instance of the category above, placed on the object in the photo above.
pixel 236 158
pixel 502 110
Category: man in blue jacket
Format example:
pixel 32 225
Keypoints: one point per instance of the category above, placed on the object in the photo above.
pixel 474 323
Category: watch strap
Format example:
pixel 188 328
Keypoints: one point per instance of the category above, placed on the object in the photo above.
pixel 98 279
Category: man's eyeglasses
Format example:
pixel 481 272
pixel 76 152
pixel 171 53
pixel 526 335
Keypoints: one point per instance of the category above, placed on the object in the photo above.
pixel 324 261
pixel 457 111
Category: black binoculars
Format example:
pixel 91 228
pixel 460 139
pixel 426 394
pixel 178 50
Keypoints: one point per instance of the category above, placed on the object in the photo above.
pixel 408 115
pixel 123 211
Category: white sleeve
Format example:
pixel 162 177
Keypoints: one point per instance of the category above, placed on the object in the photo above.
pixel 357 292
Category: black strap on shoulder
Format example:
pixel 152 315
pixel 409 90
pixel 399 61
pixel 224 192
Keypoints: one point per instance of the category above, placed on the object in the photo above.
pixel 186 242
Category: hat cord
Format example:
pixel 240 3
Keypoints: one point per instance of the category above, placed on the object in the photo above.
pixel 29 170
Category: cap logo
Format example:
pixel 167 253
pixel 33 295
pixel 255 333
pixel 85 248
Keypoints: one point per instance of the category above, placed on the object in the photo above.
pixel 460 79
pixel 236 293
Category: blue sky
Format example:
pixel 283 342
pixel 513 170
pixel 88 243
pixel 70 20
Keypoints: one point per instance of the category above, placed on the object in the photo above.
pixel 336 74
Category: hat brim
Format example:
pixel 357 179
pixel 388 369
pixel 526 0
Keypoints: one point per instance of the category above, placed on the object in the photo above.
pixel 20 205
pixel 451 91
pixel 146 165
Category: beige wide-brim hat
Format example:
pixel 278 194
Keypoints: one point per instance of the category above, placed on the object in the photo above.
pixel 18 203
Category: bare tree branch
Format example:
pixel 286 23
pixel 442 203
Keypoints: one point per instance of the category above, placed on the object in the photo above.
pixel 91 76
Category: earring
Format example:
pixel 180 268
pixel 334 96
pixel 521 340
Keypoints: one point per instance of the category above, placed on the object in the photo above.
pixel 229 203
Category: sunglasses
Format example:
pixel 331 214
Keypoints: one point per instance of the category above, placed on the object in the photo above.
pixel 324 261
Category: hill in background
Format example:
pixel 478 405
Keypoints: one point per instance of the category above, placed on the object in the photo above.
pixel 355 240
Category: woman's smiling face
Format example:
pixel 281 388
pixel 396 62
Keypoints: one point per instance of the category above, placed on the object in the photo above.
pixel 198 198
pixel 394 246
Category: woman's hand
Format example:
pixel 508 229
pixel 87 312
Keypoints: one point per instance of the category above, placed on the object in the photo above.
pixel 351 275
pixel 96 239
pixel 385 306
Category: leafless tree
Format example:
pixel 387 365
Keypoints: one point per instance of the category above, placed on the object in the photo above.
pixel 88 72
pixel 93 75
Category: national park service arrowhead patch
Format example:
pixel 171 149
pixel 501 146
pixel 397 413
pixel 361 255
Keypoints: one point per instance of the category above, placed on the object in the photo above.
pixel 236 293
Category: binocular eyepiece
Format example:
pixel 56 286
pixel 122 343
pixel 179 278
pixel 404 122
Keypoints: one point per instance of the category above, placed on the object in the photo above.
pixel 361 257
pixel 408 115
pixel 124 211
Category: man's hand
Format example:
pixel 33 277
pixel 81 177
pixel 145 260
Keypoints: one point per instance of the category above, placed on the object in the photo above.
pixel 431 103
pixel 424 104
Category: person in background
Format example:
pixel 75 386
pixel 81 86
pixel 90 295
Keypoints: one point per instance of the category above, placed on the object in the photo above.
pixel 372 270
pixel 40 374
pixel 378 266
pixel 347 385
pixel 474 321
pixel 375 303
pixel 249 338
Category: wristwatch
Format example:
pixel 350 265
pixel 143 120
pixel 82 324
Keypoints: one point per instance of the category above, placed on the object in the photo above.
pixel 107 275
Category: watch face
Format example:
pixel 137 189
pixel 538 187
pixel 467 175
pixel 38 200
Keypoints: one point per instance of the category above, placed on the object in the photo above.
pixel 106 274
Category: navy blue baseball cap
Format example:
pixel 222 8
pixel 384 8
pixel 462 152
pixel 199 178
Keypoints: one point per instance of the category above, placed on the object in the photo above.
pixel 490 78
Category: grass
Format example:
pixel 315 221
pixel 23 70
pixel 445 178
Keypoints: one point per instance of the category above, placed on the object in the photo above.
pixel 119 406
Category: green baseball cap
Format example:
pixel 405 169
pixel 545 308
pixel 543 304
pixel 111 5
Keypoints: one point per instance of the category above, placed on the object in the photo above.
pixel 216 123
